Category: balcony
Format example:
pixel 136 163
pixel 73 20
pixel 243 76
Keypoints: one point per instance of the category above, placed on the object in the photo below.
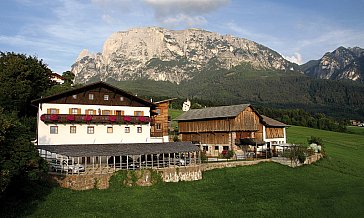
pixel 93 119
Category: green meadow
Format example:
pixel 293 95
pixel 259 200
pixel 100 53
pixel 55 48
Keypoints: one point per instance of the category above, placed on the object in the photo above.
pixel 332 187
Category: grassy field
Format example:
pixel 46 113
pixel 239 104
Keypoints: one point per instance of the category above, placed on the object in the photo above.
pixel 356 130
pixel 333 187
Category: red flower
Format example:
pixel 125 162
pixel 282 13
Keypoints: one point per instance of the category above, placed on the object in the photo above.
pixel 112 118
pixel 88 118
pixel 141 119
pixel 127 118
pixel 71 117
pixel 43 117
pixel 54 117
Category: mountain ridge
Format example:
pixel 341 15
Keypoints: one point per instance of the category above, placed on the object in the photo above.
pixel 342 63
pixel 172 55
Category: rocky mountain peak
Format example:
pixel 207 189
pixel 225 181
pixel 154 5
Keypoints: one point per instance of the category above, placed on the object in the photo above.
pixel 171 55
pixel 342 63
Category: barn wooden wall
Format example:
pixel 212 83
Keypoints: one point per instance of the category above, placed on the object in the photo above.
pixel 274 132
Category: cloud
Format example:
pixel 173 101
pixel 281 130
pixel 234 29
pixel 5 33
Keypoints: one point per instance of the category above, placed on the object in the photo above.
pixel 296 58
pixel 188 12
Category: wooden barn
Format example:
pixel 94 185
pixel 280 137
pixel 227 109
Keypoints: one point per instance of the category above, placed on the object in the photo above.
pixel 218 129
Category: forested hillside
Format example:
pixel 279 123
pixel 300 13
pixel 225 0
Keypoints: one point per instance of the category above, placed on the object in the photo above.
pixel 267 88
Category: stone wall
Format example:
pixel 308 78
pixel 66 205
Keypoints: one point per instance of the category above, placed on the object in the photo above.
pixel 176 174
pixel 309 160
pixel 219 165
pixel 82 181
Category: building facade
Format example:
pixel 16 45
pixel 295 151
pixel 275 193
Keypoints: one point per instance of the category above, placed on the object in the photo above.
pixel 96 114
pixel 218 129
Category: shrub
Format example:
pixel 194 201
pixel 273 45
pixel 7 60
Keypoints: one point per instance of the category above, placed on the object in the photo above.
pixel 316 140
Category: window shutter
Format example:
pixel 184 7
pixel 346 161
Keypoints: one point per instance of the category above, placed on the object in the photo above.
pixel 78 110
pixel 57 111
pixel 94 112
pixel 48 111
pixel 70 111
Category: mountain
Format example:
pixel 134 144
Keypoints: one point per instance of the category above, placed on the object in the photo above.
pixel 172 55
pixel 343 63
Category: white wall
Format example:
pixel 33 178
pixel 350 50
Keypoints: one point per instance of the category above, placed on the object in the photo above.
pixel 100 135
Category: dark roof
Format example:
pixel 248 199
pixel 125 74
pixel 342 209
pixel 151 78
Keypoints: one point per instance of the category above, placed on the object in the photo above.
pixel 87 150
pixel 88 87
pixel 213 112
pixel 272 122
pixel 165 100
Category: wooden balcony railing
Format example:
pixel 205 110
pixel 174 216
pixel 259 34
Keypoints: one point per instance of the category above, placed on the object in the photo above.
pixel 94 119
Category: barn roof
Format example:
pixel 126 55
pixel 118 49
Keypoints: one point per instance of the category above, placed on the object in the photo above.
pixel 272 122
pixel 213 112
pixel 88 150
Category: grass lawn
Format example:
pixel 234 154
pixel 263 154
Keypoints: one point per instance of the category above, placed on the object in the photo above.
pixel 333 187
pixel 356 130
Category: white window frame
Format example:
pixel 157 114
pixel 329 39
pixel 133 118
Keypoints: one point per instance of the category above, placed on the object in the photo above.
pixel 53 110
pixel 106 97
pixel 139 129
pixel 108 128
pixel 74 128
pixel 127 129
pixel 74 111
pixel 54 128
pixel 91 96
pixel 89 128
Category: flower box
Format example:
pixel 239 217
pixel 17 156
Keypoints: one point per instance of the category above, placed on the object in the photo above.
pixel 70 117
pixel 112 118
pixel 54 117
pixel 88 118
pixel 127 119
pixel 43 117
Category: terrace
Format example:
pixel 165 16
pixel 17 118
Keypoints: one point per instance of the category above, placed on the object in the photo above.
pixel 108 158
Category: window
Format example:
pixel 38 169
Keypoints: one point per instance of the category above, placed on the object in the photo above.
pixel 90 130
pixel 225 148
pixel 106 97
pixel 158 126
pixel 91 112
pixel 158 111
pixel 127 129
pixel 109 129
pixel 217 148
pixel 74 96
pixel 53 111
pixel 74 111
pixel 54 129
pixel 119 113
pixel 205 148
pixel 106 112
pixel 72 129
pixel 138 113
pixel 121 98
pixel 91 96
pixel 139 129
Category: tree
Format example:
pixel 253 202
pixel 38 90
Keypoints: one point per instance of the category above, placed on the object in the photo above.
pixel 18 155
pixel 68 77
pixel 22 78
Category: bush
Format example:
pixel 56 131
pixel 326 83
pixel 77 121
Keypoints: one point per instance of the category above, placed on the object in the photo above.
pixel 316 140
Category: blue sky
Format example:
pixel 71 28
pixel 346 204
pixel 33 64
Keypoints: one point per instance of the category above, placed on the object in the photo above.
pixel 301 30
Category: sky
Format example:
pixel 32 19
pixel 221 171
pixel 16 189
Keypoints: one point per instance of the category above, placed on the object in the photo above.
pixel 57 31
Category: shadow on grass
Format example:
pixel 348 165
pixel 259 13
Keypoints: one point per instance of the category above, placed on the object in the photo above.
pixel 22 198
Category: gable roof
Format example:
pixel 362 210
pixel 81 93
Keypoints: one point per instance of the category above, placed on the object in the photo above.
pixel 213 112
pixel 89 87
pixel 272 122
